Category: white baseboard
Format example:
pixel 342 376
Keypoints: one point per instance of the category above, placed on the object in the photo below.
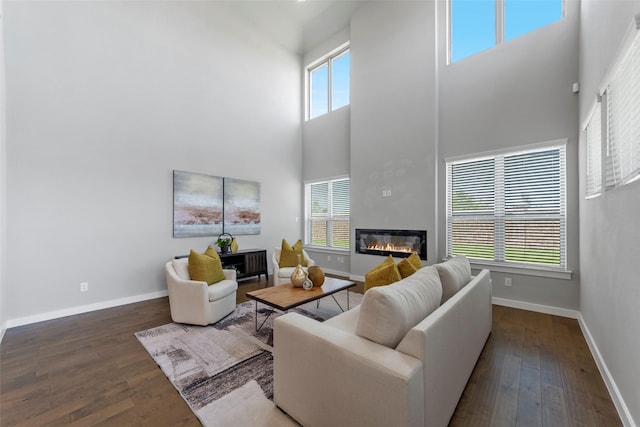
pixel 538 308
pixel 614 392
pixel 336 272
pixel 27 320
pixel 356 278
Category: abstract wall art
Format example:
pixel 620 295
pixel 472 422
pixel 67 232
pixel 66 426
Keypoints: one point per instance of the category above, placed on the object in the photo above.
pixel 241 206
pixel 197 204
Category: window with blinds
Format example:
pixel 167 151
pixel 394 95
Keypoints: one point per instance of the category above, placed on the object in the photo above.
pixel 328 213
pixel 623 118
pixel 509 208
pixel 594 152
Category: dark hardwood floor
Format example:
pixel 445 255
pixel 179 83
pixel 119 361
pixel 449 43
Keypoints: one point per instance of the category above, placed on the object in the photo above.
pixel 89 369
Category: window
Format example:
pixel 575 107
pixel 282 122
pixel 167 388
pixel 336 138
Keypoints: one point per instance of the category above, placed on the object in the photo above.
pixel 328 83
pixel 328 211
pixel 594 152
pixel 509 208
pixel 623 118
pixel 476 25
pixel 613 129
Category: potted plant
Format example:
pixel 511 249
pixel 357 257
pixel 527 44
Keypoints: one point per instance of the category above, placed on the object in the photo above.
pixel 224 242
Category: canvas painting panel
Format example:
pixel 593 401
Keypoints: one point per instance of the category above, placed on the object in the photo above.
pixel 197 204
pixel 241 206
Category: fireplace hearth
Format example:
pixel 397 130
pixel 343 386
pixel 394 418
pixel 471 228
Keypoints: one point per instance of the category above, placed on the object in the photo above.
pixel 397 243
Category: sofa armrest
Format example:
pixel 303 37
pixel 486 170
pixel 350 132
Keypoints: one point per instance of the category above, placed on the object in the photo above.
pixel 230 274
pixel 326 376
pixel 449 342
pixel 187 298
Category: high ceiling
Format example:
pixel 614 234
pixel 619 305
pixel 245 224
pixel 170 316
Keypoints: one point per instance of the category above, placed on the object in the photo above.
pixel 296 25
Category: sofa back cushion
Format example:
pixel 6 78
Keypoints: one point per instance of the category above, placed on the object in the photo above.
pixel 388 312
pixel 454 274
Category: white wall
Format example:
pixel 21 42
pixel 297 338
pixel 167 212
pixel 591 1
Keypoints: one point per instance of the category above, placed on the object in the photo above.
pixel 516 93
pixel 609 232
pixel 3 179
pixel 326 147
pixel 393 121
pixel 104 100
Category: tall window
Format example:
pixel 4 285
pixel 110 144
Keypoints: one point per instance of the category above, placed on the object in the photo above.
pixel 623 118
pixel 594 152
pixel 328 211
pixel 329 83
pixel 509 208
pixel 476 25
pixel 613 130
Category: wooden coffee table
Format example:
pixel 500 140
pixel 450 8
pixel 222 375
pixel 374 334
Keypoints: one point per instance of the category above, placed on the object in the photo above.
pixel 285 297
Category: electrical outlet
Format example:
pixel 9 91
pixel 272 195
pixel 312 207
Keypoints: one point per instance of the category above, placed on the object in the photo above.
pixel 84 286
pixel 328 257
pixel 507 281
pixel 341 259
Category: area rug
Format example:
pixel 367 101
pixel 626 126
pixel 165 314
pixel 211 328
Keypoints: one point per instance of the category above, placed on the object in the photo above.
pixel 225 371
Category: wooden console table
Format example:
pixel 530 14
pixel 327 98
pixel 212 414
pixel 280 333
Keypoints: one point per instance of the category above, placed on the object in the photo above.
pixel 247 263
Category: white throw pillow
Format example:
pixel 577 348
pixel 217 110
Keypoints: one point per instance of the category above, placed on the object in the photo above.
pixel 454 274
pixel 388 312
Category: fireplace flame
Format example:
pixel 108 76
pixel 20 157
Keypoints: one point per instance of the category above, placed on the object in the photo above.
pixel 391 247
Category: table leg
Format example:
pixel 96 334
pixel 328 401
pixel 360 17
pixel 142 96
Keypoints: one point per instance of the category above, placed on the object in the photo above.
pixel 342 309
pixel 265 319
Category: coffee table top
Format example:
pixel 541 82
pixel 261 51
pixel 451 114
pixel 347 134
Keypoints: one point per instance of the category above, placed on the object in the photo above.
pixel 285 297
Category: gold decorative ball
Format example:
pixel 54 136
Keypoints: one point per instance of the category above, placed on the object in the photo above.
pixel 316 275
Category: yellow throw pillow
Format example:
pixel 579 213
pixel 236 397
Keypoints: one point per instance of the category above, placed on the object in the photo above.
pixel 288 257
pixel 414 259
pixel 205 267
pixel 382 274
pixel 386 263
pixel 405 268
pixel 289 254
pixel 297 248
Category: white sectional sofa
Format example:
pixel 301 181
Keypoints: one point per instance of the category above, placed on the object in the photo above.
pixel 386 362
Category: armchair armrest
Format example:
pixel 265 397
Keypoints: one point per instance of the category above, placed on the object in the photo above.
pixel 229 274
pixel 326 376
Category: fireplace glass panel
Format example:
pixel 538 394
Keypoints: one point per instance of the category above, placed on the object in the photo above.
pixel 397 243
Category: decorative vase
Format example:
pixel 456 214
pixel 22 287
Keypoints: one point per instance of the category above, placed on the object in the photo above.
pixel 316 275
pixel 307 285
pixel 224 250
pixel 298 276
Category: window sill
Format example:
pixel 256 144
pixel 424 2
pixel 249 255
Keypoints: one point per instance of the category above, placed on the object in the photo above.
pixel 326 250
pixel 526 271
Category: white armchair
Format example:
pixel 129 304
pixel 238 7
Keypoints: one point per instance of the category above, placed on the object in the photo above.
pixel 195 302
pixel 283 275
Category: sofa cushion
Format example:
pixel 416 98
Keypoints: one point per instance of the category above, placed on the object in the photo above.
pixel 222 289
pixel 454 274
pixel 382 274
pixel 205 268
pixel 388 312
pixel 347 321
pixel 286 272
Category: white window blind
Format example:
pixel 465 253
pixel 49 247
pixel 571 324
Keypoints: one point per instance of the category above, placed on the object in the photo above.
pixel 623 114
pixel 509 208
pixel 328 213
pixel 594 152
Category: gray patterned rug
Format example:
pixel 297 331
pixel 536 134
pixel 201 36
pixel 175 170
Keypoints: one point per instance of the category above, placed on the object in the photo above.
pixel 225 371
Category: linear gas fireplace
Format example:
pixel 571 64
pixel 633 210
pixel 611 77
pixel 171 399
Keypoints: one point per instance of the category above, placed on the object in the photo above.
pixel 397 243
